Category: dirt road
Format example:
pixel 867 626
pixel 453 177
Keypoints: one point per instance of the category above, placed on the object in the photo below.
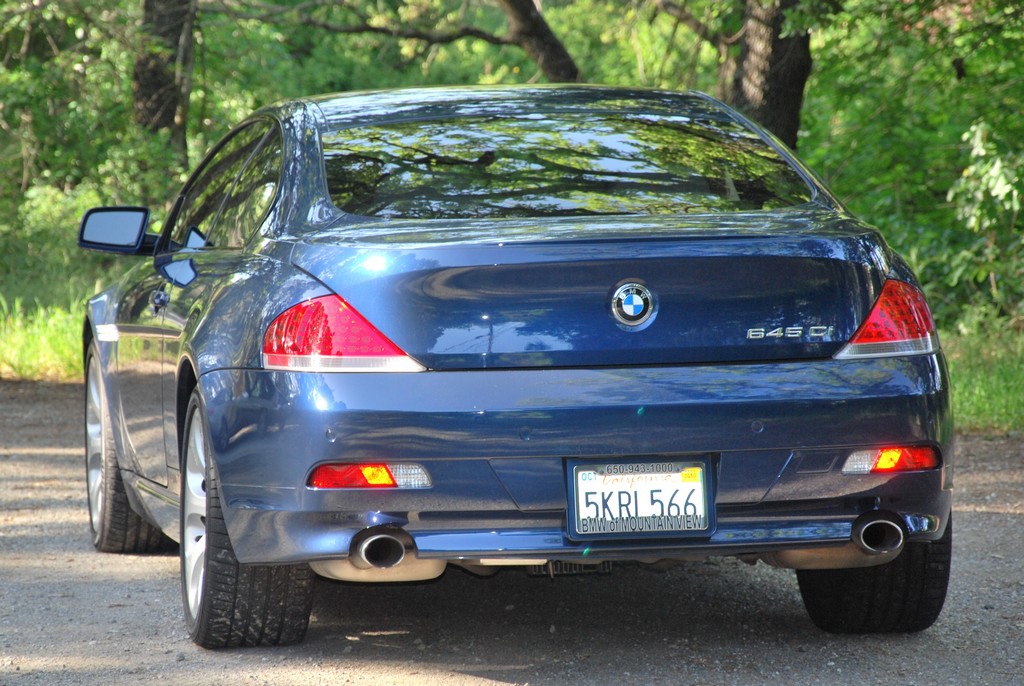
pixel 69 615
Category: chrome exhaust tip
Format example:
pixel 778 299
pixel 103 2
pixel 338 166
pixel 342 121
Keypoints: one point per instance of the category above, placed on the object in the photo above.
pixel 378 551
pixel 879 533
pixel 380 554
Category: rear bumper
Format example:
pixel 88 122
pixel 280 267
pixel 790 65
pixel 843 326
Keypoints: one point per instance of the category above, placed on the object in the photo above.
pixel 496 444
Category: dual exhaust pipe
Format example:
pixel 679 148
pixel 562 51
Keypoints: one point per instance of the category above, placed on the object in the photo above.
pixel 874 535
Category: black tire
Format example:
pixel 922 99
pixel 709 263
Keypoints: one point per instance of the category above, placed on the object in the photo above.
pixel 228 604
pixel 904 595
pixel 115 526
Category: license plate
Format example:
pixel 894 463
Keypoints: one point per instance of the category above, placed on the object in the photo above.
pixel 642 498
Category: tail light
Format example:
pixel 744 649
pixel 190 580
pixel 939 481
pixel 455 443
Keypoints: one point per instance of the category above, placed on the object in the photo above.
pixel 369 475
pixel 327 335
pixel 898 324
pixel 891 459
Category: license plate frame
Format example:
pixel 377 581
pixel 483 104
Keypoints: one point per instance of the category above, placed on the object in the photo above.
pixel 639 514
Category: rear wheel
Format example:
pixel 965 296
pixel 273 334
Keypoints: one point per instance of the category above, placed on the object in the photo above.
pixel 904 595
pixel 116 527
pixel 228 604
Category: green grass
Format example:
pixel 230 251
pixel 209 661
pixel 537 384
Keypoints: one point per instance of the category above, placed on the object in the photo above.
pixel 41 343
pixel 987 376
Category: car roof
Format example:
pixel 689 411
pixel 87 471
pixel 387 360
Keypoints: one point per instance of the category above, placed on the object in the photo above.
pixel 363 108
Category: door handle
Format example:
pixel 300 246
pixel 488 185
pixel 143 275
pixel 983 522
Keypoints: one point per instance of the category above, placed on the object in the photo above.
pixel 159 299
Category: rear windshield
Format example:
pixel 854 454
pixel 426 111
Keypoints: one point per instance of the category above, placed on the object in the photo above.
pixel 556 165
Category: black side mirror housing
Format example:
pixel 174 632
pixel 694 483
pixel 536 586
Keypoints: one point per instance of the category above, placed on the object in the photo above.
pixel 119 230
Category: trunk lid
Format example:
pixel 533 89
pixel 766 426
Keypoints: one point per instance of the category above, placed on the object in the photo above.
pixel 762 286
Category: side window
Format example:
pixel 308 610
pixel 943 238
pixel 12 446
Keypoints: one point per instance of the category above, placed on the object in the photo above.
pixel 194 224
pixel 252 194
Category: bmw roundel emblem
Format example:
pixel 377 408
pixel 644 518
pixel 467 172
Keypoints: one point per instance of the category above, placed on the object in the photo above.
pixel 632 304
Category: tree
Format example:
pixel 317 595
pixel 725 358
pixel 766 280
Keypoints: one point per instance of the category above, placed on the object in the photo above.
pixel 162 79
pixel 717 30
pixel 529 30
pixel 772 70
pixel 762 71
pixel 429 22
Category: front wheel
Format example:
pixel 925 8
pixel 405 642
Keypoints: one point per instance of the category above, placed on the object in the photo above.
pixel 229 604
pixel 904 595
pixel 116 527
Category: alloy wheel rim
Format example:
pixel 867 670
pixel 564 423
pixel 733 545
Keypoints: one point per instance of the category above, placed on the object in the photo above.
pixel 193 539
pixel 94 445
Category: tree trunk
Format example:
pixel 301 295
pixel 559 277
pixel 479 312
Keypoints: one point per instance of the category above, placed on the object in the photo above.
pixel 162 79
pixel 728 60
pixel 772 71
pixel 529 30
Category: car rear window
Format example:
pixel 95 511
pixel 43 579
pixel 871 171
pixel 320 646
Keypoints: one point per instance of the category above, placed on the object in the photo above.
pixel 568 164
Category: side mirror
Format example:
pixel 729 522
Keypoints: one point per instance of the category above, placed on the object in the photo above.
pixel 116 229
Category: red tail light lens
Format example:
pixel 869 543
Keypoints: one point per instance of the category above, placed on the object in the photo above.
pixel 898 324
pixel 352 476
pixel 326 334
pixel 369 475
pixel 892 459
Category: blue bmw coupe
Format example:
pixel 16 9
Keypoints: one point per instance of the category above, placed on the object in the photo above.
pixel 546 328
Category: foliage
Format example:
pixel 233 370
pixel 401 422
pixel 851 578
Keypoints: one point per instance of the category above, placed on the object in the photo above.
pixel 912 114
pixel 40 342
pixel 640 48
pixel 40 265
pixel 988 202
pixel 43 278
pixel 986 371
pixel 896 85
pixel 988 195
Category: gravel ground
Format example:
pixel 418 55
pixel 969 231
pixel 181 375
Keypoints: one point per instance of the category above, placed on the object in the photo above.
pixel 70 615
